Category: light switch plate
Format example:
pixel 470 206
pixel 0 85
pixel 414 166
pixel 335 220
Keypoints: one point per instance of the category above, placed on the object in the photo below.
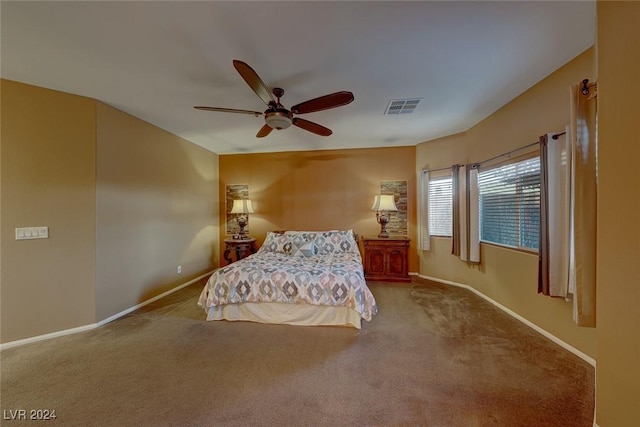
pixel 27 233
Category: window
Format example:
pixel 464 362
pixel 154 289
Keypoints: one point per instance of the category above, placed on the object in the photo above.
pixel 510 204
pixel 440 206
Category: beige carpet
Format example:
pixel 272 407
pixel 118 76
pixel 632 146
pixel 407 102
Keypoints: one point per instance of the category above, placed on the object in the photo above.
pixel 434 355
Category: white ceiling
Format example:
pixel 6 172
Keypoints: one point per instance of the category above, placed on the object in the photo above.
pixel 156 60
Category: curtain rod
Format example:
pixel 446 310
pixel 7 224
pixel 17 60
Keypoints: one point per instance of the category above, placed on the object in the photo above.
pixel 476 164
pixel 435 170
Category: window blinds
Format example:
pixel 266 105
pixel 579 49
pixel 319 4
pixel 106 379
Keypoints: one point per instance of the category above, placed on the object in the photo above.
pixel 440 206
pixel 510 204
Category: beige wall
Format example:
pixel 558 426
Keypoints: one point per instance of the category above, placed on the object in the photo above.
pixel 507 276
pixel 48 179
pixel 125 202
pixel 157 208
pixel 319 190
pixel 618 275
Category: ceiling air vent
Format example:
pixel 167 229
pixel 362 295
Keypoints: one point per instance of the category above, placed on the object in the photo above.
pixel 402 106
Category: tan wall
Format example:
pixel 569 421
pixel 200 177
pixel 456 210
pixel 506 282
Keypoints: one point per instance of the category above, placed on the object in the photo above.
pixel 319 190
pixel 618 275
pixel 48 179
pixel 125 202
pixel 157 208
pixel 507 276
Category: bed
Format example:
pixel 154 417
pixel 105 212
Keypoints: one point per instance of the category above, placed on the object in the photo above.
pixel 296 278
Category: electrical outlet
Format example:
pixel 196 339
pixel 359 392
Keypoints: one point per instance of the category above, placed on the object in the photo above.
pixel 179 269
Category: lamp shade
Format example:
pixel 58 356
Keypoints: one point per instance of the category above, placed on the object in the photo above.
pixel 384 202
pixel 376 202
pixel 242 206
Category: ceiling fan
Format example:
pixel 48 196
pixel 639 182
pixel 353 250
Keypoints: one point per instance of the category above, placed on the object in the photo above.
pixel 276 115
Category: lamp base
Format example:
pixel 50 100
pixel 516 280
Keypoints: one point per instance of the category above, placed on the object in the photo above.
pixel 383 220
pixel 242 223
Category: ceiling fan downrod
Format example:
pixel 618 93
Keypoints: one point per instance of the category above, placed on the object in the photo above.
pixel 278 117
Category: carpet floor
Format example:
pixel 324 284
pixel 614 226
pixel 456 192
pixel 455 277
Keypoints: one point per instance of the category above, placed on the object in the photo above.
pixel 434 355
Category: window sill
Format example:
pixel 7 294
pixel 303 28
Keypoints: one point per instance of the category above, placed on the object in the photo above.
pixel 511 248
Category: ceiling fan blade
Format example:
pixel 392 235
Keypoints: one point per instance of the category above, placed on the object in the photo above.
pixel 253 80
pixel 228 110
pixel 311 127
pixel 326 102
pixel 264 131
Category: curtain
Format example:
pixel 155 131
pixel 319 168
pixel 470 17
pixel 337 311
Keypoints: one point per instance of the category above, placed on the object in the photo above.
pixel 463 216
pixel 543 246
pixel 455 217
pixel 465 242
pixel 424 242
pixel 584 202
pixel 554 246
pixel 474 215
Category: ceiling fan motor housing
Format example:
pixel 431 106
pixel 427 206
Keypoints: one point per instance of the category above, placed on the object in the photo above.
pixel 279 118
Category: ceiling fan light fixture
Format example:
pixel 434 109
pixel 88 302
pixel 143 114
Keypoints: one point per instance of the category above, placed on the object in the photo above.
pixel 278 120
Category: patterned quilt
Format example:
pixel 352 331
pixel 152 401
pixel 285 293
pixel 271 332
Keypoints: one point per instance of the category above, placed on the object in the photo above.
pixel 333 279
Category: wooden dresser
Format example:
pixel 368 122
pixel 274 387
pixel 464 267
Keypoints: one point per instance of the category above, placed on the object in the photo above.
pixel 386 259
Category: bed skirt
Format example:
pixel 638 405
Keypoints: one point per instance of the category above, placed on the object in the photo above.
pixel 289 314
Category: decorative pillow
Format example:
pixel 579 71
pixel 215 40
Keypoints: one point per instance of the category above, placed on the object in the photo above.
pixel 283 244
pixel 306 249
pixel 302 243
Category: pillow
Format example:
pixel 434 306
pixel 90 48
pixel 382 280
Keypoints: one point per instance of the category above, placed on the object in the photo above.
pixel 324 242
pixel 303 243
pixel 275 242
pixel 306 249
pixel 302 235
pixel 283 244
pixel 268 243
pixel 339 242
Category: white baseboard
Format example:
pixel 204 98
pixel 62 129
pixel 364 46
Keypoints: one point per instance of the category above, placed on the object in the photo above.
pixel 532 325
pixel 16 343
pixel 46 336
pixel 149 301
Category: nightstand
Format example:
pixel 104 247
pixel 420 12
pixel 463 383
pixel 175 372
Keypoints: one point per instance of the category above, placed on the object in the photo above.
pixel 386 259
pixel 241 247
